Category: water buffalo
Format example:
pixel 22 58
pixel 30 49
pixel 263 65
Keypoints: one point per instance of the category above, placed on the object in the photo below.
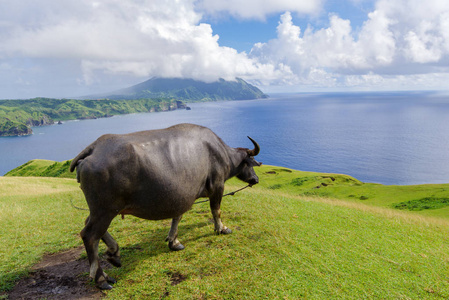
pixel 155 174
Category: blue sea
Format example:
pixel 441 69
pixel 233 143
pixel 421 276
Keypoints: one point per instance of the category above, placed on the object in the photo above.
pixel 390 138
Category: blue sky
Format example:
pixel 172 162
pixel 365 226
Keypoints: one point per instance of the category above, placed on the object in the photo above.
pixel 72 48
pixel 242 34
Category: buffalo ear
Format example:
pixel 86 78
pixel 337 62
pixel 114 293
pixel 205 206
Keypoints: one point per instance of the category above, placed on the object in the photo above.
pixel 256 164
pixel 250 161
pixel 256 149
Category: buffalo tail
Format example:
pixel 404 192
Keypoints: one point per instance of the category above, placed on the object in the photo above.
pixel 83 154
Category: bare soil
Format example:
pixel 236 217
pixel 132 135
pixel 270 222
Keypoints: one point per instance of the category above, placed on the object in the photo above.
pixel 58 276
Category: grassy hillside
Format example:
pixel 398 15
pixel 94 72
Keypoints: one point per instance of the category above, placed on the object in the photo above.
pixel 288 241
pixel 425 199
pixel 43 168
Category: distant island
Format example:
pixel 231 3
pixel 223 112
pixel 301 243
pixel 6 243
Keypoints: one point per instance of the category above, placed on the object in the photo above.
pixel 157 94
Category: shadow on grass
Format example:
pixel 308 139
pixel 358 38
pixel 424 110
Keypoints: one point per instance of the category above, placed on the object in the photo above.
pixel 152 244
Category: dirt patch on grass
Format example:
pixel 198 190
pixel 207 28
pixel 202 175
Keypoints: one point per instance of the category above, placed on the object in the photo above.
pixel 176 278
pixel 58 276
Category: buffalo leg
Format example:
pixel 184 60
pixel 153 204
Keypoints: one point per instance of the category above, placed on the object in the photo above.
pixel 113 252
pixel 95 229
pixel 172 238
pixel 215 202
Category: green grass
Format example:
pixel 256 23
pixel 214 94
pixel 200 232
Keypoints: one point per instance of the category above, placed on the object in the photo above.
pixel 293 237
pixel 422 204
pixel 43 168
pixel 35 218
pixel 433 197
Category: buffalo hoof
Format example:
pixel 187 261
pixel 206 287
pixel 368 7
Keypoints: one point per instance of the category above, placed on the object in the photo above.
pixel 111 280
pixel 225 230
pixel 104 286
pixel 103 281
pixel 115 261
pixel 175 247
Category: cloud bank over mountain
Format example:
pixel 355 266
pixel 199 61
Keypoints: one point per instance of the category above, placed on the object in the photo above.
pixel 74 47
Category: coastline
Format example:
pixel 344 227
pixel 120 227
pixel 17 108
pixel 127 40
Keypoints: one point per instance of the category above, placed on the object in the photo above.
pixel 21 115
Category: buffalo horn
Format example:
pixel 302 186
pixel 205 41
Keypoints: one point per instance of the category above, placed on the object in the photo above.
pixel 256 149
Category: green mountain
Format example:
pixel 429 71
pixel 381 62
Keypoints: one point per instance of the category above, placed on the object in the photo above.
pixel 188 90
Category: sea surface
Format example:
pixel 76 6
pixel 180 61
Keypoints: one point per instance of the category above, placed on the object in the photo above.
pixel 389 138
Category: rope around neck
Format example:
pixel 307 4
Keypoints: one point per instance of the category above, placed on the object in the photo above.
pixel 232 193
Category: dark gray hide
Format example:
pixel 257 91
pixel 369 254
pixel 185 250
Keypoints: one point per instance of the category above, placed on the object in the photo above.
pixel 156 174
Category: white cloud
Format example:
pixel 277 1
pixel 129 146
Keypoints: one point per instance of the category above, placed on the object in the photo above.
pixel 376 43
pixel 139 38
pixel 50 43
pixel 429 81
pixel 422 49
pixel 393 41
pixel 421 30
pixel 258 9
